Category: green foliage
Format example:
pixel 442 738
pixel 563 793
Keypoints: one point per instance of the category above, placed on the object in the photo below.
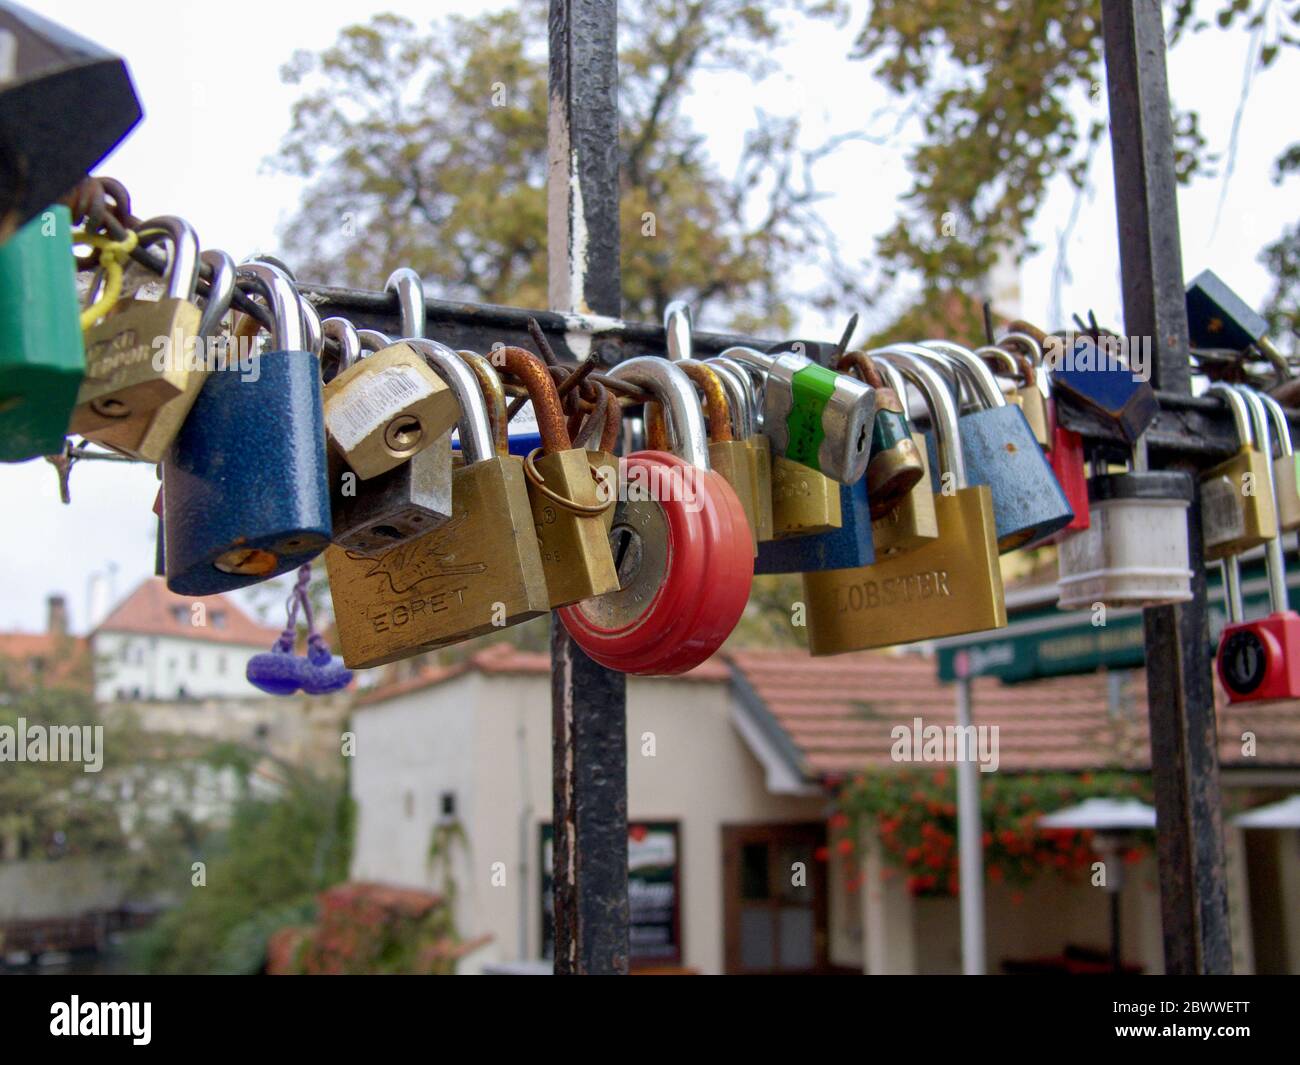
pixel 914 811
pixel 429 149
pixel 265 873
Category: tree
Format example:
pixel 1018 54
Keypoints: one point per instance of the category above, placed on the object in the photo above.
pixel 1003 93
pixel 428 149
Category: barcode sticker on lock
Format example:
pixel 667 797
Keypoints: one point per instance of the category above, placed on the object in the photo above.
pixel 1223 514
pixel 371 401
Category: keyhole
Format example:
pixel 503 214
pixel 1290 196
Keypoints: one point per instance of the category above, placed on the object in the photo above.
pixel 110 408
pixel 862 437
pixel 403 433
pixel 386 530
pixel 627 546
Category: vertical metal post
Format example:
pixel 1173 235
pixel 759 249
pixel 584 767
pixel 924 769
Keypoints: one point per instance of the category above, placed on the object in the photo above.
pixel 970 839
pixel 1184 754
pixel 588 703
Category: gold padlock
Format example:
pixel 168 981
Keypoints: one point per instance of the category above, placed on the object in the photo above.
pixel 1031 395
pixel 476 573
pixel 607 414
pixel 727 456
pixel 950 586
pixel 148 436
pixel 913 522
pixel 125 378
pixel 1237 511
pixel 744 406
pixel 895 465
pixel 564 493
pixel 1286 467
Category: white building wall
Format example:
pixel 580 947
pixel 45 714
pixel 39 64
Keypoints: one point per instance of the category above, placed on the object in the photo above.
pixel 167 667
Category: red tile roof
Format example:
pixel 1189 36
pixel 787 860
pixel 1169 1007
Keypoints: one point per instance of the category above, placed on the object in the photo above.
pixel 62 659
pixel 839 712
pixel 152 610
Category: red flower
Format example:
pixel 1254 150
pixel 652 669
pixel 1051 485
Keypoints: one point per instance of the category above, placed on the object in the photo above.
pixel 988 839
pixel 995 873
pixel 940 778
pixel 838 820
pixel 845 846
pixel 1017 897
pixel 913 855
pixel 821 854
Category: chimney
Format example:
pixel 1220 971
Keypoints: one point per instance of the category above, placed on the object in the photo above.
pixel 57 616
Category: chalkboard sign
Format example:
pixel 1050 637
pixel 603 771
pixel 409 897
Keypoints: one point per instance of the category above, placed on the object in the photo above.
pixel 653 892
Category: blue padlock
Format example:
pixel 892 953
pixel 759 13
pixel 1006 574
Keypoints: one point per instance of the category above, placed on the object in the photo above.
pixel 245 489
pixel 1000 450
pixel 1088 373
pixel 847 547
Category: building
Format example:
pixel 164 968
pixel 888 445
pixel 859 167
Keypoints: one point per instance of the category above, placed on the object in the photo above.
pixel 53 658
pixel 732 773
pixel 156 645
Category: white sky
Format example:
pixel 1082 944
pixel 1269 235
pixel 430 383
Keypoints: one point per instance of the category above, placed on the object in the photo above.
pixel 215 110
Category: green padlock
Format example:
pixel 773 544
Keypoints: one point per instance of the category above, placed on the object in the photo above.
pixel 42 357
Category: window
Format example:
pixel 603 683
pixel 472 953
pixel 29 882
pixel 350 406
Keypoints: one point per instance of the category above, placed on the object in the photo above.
pixel 218 619
pixel 221 664
pixel 194 661
pixel 181 614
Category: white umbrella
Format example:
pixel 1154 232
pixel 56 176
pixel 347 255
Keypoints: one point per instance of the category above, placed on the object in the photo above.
pixel 1284 814
pixel 1103 815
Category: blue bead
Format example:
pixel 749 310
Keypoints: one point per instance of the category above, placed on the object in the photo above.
pixel 276 672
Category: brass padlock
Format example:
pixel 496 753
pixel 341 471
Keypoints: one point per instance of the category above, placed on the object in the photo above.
pixel 563 491
pixel 895 464
pixel 1031 394
pixel 123 379
pixel 382 410
pixel 1286 467
pixel 727 456
pixel 148 436
pixel 1237 511
pixel 950 586
pixel 475 574
pixel 913 523
pixel 744 408
pixel 607 416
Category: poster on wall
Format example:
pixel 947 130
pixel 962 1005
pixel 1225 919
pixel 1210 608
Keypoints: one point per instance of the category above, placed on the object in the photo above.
pixel 653 892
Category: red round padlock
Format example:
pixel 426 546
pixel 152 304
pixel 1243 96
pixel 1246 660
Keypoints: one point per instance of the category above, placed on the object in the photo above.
pixel 685 564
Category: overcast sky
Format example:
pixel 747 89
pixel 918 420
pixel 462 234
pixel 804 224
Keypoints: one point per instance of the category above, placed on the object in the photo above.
pixel 215 109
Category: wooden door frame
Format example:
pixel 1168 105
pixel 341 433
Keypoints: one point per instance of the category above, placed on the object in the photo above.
pixel 774 832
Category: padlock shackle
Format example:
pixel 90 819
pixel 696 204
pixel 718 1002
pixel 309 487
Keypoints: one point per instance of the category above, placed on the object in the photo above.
pixel 373 340
pixel 182 270
pixel 494 395
pixel 958 384
pixel 1003 356
pixel 894 380
pixel 1240 413
pixel 410 300
pixel 983 382
pixel 475 430
pixel 1274 560
pixel 941 404
pixel 277 289
pixel 678 325
pixel 221 289
pixel 716 404
pixel 313 331
pixel 531 372
pixel 1281 426
pixel 740 394
pixel 1029 343
pixel 344 334
pixel 676 394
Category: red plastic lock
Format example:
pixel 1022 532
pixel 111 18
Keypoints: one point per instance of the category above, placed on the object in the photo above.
pixel 1066 458
pixel 686 588
pixel 1260 660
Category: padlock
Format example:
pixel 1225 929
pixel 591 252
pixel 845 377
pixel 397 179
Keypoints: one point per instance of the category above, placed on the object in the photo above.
pixel 244 484
pixel 678 327
pixel 65 102
pixel 949 586
pixel 1031 394
pixel 1286 467
pixel 1000 450
pixel 148 436
pixel 1088 372
pixel 386 408
pixel 123 380
pixel 1066 458
pixel 374 515
pixel 1236 514
pixel 1218 318
pixel 42 356
pixel 740 392
pixel 895 465
pixel 475 574
pixel 727 455
pixel 814 416
pixel 1134 552
pixel 563 493
pixel 684 553
pixel 913 522
pixel 1260 660
pixel 606 419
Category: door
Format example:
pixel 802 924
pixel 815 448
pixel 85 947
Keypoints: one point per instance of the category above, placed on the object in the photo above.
pixel 774 893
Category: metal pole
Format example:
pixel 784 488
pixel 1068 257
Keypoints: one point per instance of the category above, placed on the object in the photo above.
pixel 1184 755
pixel 970 841
pixel 588 703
